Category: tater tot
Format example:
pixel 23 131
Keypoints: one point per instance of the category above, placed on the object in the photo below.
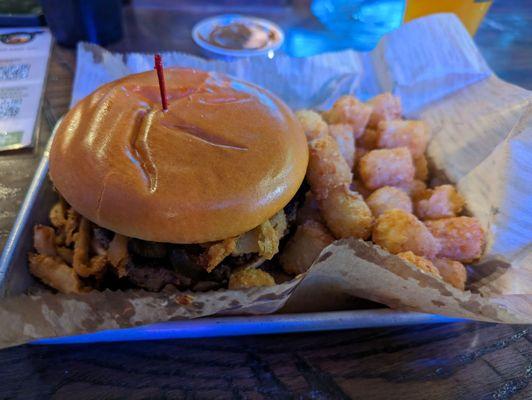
pixel 346 214
pixel 358 186
pixel 461 238
pixel 327 168
pixel 343 134
pixel 398 133
pixel 309 210
pixel 313 124
pixel 359 153
pixel 452 272
pixel 349 110
pixel 398 231
pixel 441 202
pixel 386 167
pixel 422 168
pixel 303 248
pixel 412 188
pixel 244 278
pixel 368 140
pixel 421 263
pixel 385 107
pixel 387 198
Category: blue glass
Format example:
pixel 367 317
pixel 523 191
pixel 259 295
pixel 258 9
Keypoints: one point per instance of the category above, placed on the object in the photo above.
pixel 356 24
pixel 96 21
pixel 304 41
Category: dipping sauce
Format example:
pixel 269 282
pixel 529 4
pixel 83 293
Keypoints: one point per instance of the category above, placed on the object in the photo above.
pixel 237 35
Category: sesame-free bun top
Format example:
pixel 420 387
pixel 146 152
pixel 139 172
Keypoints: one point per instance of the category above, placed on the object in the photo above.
pixel 226 156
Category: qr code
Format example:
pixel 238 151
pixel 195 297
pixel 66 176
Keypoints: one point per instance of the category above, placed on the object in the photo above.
pixel 14 72
pixel 9 108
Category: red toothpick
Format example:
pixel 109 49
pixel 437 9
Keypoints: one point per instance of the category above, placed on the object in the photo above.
pixel 160 75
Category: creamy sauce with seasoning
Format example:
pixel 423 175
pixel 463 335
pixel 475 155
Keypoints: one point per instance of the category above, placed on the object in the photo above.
pixel 242 36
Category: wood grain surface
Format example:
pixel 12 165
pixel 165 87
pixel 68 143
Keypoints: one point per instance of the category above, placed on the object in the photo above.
pixel 450 361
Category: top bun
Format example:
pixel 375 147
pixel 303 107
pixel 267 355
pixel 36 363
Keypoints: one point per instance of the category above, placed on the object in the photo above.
pixel 225 157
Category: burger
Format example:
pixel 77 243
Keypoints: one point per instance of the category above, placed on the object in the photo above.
pixel 179 198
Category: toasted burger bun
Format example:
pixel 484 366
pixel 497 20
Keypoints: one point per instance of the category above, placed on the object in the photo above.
pixel 225 157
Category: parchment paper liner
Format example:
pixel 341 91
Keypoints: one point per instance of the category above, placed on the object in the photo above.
pixel 46 315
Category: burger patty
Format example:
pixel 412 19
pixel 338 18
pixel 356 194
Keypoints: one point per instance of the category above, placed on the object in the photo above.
pixel 154 265
pixel 105 260
pixel 158 265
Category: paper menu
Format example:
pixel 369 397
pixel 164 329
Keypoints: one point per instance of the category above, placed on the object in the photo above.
pixel 24 54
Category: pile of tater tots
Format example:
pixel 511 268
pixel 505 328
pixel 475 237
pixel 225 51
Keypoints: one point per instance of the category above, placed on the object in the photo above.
pixel 369 179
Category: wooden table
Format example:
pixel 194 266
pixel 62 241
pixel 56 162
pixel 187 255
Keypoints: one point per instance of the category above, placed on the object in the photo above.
pixel 450 361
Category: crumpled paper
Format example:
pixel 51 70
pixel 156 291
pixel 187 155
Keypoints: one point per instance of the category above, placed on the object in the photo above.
pixel 482 141
pixel 45 314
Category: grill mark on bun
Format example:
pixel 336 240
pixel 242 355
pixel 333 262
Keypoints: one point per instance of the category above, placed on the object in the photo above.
pixel 223 100
pixel 152 93
pixel 201 134
pixel 100 196
pixel 140 152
